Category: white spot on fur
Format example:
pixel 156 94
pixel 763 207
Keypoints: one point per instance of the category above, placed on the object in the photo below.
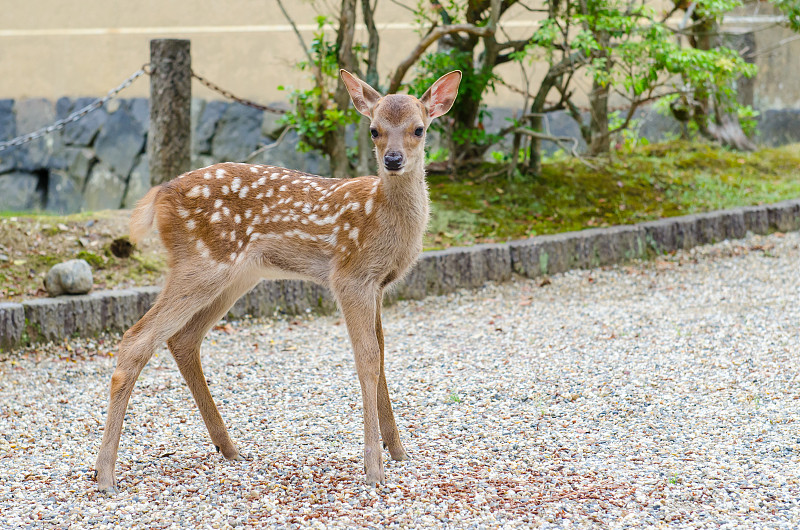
pixel 259 196
pixel 248 213
pixel 249 230
pixel 233 256
pixel 225 190
pixel 207 175
pixel 215 217
pixel 194 192
pixel 217 203
pixel 220 173
pixel 206 192
pixel 190 224
pixel 236 184
pixel 243 193
pixel 183 213
pixel 283 188
pixel 233 236
pixel 368 206
pixel 237 218
pixel 253 169
pixel 239 244
pixel 261 181
pixel 354 234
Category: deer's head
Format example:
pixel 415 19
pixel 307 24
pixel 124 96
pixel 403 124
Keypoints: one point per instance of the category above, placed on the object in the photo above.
pixel 399 122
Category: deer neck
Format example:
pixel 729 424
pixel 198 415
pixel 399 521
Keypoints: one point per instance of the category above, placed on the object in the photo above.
pixel 407 199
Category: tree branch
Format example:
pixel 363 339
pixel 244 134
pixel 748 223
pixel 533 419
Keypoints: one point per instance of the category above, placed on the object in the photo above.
pixel 434 35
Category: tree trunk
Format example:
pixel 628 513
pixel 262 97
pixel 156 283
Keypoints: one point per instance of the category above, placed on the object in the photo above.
pixel 336 142
pixel 599 140
pixel 365 148
pixel 713 120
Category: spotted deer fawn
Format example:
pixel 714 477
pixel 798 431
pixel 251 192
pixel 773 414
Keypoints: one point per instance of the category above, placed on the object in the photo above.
pixel 227 226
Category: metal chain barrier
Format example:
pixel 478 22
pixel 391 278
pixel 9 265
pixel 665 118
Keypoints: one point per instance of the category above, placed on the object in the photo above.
pixel 229 95
pixel 78 114
pixel 96 104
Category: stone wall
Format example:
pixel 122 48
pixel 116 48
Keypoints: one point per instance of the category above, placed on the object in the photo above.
pixel 100 162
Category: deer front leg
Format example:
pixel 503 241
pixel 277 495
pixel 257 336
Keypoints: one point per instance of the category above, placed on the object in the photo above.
pixel 389 432
pixel 358 306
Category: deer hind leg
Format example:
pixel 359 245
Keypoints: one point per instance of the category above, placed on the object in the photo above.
pixel 389 432
pixel 174 307
pixel 185 348
pixel 358 307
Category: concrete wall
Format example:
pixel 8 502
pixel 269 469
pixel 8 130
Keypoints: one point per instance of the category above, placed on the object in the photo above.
pixel 51 48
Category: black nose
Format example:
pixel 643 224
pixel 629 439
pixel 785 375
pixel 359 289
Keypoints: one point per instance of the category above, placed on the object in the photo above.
pixel 393 160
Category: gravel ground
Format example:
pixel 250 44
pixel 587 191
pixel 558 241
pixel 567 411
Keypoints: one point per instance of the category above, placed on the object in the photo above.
pixel 659 394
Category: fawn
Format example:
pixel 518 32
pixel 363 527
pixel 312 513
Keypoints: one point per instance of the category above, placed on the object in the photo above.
pixel 227 226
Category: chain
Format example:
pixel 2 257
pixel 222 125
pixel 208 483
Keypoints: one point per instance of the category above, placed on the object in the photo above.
pixel 229 95
pixel 78 114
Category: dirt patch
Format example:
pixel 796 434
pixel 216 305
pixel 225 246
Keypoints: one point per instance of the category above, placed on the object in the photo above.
pixel 31 244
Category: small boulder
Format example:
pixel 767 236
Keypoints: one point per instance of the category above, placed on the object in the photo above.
pixel 71 277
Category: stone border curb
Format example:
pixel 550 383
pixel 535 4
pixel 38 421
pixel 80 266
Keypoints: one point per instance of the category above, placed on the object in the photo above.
pixel 437 272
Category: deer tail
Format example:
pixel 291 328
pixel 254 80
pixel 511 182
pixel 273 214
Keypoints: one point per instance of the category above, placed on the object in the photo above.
pixel 143 215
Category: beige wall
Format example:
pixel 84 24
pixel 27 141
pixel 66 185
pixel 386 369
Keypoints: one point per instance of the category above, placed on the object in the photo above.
pixel 54 48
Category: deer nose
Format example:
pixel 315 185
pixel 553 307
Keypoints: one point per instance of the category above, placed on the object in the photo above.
pixel 393 160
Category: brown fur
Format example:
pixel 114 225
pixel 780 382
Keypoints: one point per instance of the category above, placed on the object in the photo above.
pixel 227 226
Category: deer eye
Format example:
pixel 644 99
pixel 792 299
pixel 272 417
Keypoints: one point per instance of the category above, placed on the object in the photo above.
pixel 374 132
pixel 418 131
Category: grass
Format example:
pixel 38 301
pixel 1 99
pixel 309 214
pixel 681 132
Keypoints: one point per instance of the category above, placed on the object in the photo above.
pixel 651 182
pixel 479 205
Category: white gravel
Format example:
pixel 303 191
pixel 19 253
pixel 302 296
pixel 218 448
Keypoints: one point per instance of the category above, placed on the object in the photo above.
pixel 660 394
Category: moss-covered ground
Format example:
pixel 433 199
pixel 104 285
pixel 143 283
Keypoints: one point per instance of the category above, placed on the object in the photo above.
pixel 479 204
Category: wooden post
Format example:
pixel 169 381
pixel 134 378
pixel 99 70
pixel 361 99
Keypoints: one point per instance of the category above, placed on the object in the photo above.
pixel 169 139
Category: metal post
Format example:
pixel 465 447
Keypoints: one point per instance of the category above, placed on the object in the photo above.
pixel 169 139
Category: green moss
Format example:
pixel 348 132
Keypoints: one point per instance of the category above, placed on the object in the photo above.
pixel 650 182
pixel 95 260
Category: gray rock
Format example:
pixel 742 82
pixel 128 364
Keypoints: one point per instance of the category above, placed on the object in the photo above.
pixel 33 114
pixel 120 141
pixel 12 325
pixel 8 130
pixel 19 192
pixel 271 125
pixel 656 127
pixel 779 127
pixel 195 112
pixel 287 154
pixel 207 125
pixel 238 133
pixel 79 161
pixel 139 108
pixel 138 182
pixel 104 189
pixel 70 277
pixel 83 131
pixel 64 193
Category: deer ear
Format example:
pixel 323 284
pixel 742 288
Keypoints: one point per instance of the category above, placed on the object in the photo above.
pixel 439 98
pixel 364 96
